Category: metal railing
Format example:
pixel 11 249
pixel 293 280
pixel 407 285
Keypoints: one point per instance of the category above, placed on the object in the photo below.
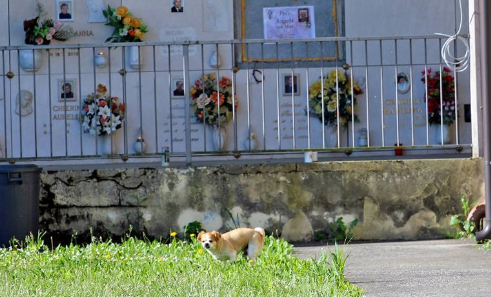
pixel 42 113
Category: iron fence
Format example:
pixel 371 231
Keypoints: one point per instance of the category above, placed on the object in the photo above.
pixel 218 101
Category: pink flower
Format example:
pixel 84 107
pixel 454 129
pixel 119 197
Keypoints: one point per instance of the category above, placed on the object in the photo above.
pixel 39 40
pixel 49 37
pixel 57 25
pixel 52 31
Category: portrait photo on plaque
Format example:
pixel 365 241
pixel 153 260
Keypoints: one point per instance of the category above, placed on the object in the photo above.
pixel 303 15
pixel 177 6
pixel 65 10
pixel 403 83
pixel 177 87
pixel 67 90
pixel 291 84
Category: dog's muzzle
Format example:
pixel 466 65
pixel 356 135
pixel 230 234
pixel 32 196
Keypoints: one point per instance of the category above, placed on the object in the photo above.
pixel 207 245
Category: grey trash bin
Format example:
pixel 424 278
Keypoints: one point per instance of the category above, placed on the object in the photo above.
pixel 19 201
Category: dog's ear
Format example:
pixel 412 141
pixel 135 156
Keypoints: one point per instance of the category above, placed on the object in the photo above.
pixel 200 234
pixel 216 235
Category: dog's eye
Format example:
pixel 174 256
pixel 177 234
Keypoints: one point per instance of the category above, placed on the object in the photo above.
pixel 211 241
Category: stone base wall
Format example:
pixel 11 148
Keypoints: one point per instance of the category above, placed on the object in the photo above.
pixel 391 199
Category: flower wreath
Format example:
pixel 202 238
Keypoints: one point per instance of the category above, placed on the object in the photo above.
pixel 334 96
pixel 205 100
pixel 102 114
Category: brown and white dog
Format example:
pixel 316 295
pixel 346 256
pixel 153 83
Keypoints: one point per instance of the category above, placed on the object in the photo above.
pixel 226 246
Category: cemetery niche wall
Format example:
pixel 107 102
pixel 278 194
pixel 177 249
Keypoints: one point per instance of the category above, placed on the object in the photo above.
pixel 153 108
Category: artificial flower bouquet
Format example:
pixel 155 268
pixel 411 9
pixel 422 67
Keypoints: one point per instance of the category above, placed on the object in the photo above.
pixel 101 113
pixel 212 102
pixel 127 28
pixel 438 102
pixel 337 98
pixel 47 31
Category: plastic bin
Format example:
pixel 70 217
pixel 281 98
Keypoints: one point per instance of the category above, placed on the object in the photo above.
pixel 19 201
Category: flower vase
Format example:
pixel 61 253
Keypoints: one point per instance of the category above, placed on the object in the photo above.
pixel 218 137
pixel 250 143
pixel 134 56
pixel 331 136
pixel 30 60
pixel 105 146
pixel 440 131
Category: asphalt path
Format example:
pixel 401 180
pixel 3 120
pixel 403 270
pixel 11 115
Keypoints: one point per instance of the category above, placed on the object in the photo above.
pixel 414 268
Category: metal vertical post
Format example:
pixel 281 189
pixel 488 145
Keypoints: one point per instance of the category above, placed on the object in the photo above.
pixel 187 106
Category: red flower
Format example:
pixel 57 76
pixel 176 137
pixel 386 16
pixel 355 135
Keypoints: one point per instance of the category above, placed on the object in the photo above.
pixel 213 98
pixel 225 82
pixel 432 105
pixel 102 103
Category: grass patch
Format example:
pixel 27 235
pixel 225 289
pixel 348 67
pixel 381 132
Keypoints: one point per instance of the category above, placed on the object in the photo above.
pixel 150 268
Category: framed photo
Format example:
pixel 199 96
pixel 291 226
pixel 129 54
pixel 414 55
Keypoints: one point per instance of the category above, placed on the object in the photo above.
pixel 291 84
pixel 177 87
pixel 176 6
pixel 67 90
pixel 403 83
pixel 303 15
pixel 65 10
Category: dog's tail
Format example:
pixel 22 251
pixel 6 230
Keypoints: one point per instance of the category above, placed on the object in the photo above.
pixel 260 231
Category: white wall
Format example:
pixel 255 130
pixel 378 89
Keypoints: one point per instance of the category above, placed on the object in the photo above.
pixel 362 18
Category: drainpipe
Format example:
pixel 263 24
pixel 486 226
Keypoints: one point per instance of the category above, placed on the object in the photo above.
pixel 485 24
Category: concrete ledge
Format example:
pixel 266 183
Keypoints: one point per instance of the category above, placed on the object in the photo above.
pixel 410 199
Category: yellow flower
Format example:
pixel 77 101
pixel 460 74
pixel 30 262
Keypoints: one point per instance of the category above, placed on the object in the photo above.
pixel 137 22
pixel 138 32
pixel 107 256
pixel 332 106
pixel 192 235
pixel 128 21
pixel 193 91
pixel 160 259
pixel 173 234
pixel 348 109
pixel 213 76
pixel 315 89
pixel 122 11
pixel 250 261
pixel 341 77
pixel 200 251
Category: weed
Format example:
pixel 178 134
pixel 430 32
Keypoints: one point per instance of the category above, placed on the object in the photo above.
pixel 338 231
pixel 192 229
pixel 465 229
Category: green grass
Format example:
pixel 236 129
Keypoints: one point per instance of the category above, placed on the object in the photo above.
pixel 151 268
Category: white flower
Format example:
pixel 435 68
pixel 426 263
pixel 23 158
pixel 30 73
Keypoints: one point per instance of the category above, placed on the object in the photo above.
pixel 86 124
pixel 107 129
pixel 104 112
pixel 123 32
pixel 92 109
pixel 115 122
pixel 49 37
pixel 203 100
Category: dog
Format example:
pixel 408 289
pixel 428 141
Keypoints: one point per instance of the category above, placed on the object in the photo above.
pixel 226 246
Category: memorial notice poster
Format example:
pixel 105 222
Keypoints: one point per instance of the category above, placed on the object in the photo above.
pixel 289 22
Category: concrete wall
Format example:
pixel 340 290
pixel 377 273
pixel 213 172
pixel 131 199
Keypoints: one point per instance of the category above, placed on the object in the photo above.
pixel 392 199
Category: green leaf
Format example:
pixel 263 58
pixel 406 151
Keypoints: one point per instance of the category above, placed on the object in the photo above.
pixel 455 221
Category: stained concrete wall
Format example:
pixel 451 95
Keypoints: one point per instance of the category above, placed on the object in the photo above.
pixel 392 199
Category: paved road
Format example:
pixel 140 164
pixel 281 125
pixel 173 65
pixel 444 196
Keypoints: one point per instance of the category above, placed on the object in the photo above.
pixel 417 268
